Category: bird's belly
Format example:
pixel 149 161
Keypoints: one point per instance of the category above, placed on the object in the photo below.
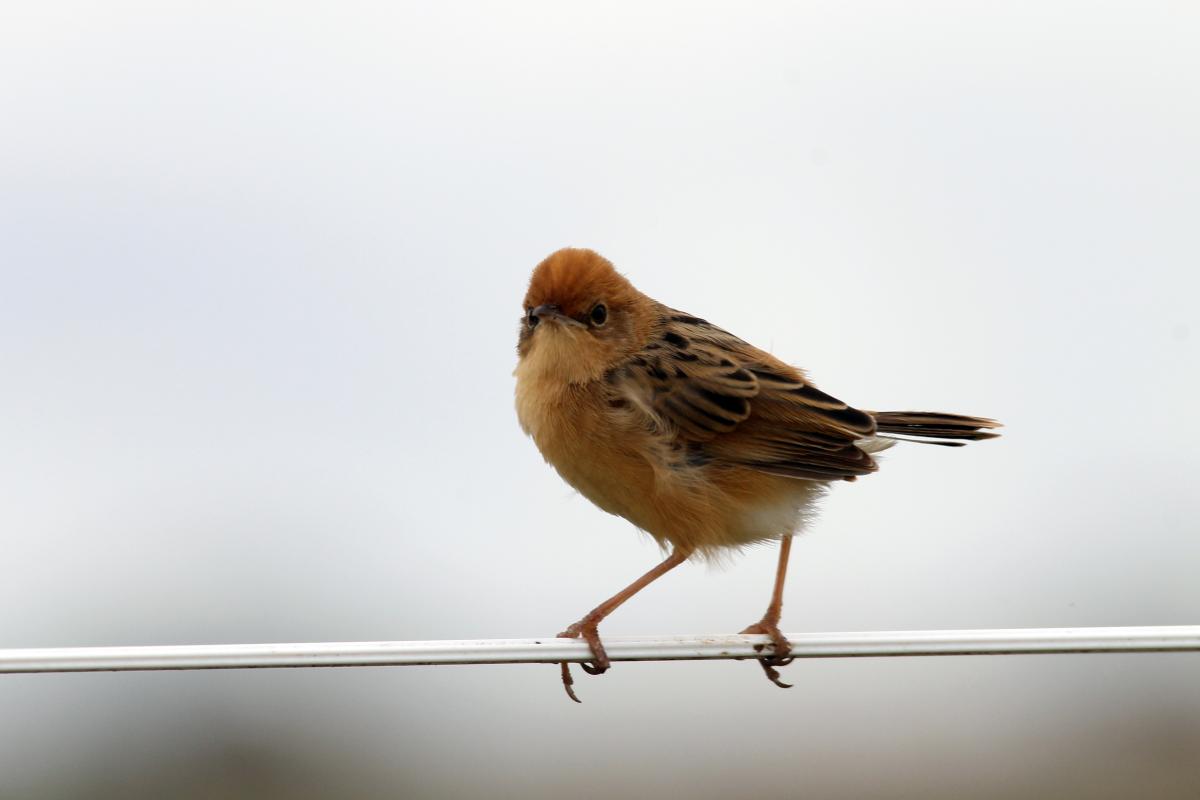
pixel 626 471
pixel 703 508
pixel 621 491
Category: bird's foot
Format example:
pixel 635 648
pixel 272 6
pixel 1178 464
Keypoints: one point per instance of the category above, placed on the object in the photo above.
pixel 597 666
pixel 782 651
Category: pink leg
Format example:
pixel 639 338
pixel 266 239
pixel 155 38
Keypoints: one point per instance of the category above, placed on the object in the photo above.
pixel 587 627
pixel 769 624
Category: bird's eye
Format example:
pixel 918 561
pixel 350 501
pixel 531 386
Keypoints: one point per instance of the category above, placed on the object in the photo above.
pixel 531 319
pixel 599 314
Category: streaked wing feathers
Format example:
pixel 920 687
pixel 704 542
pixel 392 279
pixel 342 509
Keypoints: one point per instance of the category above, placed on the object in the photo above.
pixel 695 386
pixel 739 405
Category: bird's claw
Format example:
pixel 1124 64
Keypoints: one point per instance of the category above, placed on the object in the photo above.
pixel 568 681
pixel 781 656
pixel 768 665
pixel 592 668
pixel 590 634
pixel 599 663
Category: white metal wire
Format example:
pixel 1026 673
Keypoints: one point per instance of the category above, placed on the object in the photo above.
pixel 650 648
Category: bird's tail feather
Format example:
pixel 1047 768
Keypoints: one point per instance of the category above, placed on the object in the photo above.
pixel 954 430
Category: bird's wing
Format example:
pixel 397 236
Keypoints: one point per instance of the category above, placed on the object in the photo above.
pixel 725 401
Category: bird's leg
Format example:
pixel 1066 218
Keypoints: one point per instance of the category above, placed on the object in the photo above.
pixel 769 624
pixel 587 627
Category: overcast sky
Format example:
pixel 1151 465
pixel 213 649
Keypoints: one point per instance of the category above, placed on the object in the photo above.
pixel 262 269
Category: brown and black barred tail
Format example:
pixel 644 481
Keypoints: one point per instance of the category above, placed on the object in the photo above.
pixel 931 425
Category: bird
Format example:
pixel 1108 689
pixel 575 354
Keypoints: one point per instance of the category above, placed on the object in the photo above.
pixel 700 439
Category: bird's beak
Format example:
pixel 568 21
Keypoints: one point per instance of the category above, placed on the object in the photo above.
pixel 552 313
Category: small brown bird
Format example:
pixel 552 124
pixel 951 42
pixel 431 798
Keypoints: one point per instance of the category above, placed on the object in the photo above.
pixel 696 437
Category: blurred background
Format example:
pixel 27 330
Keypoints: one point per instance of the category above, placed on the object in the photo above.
pixel 262 266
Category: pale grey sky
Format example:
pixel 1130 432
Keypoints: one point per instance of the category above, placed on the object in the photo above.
pixel 262 269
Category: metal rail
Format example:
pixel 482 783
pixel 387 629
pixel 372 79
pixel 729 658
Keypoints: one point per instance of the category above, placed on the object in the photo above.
pixel 650 648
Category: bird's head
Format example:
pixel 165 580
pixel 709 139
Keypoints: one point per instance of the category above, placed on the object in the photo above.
pixel 582 317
